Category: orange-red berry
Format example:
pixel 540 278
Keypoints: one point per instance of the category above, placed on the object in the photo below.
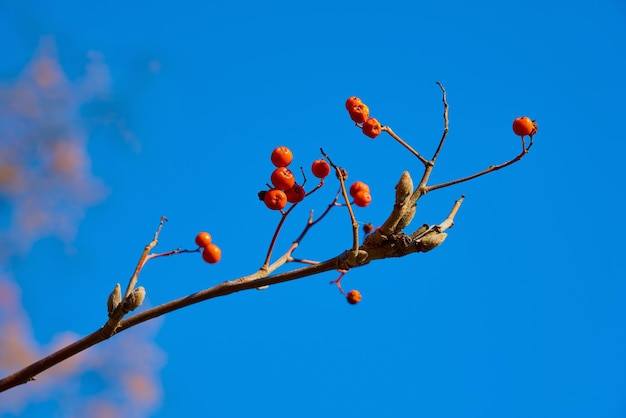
pixel 362 198
pixel 372 128
pixel 359 112
pixel 295 194
pixel 211 253
pixel 353 297
pixel 351 102
pixel 523 126
pixel 368 227
pixel 282 178
pixel 203 239
pixel 358 186
pixel 281 156
pixel 320 168
pixel 275 199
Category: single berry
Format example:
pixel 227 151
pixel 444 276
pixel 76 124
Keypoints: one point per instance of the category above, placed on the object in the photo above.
pixel 211 253
pixel 203 239
pixel 523 126
pixel 281 156
pixel 362 198
pixel 359 112
pixel 351 102
pixel 371 128
pixel 275 199
pixel 295 194
pixel 320 168
pixel 354 297
pixel 357 186
pixel 368 227
pixel 282 178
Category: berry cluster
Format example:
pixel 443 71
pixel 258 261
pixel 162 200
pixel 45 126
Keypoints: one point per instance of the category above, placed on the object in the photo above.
pixel 360 192
pixel 211 253
pixel 359 113
pixel 284 187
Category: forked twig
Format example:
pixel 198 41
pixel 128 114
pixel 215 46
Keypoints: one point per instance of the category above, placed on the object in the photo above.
pixel 144 258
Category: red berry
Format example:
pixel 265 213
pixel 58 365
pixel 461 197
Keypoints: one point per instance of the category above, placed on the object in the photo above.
pixel 275 199
pixel 295 194
pixel 211 253
pixel 372 128
pixel 320 168
pixel 368 227
pixel 282 178
pixel 357 186
pixel 523 126
pixel 354 297
pixel 351 102
pixel 359 112
pixel 203 239
pixel 281 156
pixel 362 198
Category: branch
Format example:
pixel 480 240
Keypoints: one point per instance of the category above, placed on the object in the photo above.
pixel 386 242
pixel 481 173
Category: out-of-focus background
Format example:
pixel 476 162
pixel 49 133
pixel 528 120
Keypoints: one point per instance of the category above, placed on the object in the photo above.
pixel 114 114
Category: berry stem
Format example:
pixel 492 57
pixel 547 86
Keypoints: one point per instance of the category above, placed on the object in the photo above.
pixel 404 144
pixel 283 216
pixel 337 281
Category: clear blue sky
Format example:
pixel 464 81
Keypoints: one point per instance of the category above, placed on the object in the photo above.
pixel 521 313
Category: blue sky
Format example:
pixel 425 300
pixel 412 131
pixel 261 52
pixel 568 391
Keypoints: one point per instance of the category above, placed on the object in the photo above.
pixel 520 313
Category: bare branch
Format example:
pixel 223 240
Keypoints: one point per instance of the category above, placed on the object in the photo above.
pixel 481 173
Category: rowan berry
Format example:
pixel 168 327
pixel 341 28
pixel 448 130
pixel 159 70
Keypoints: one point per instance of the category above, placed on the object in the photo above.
pixel 203 239
pixel 362 198
pixel 357 186
pixel 282 178
pixel 320 168
pixel 295 194
pixel 354 297
pixel 359 112
pixel 211 253
pixel 351 102
pixel 275 199
pixel 523 126
pixel 368 227
pixel 281 156
pixel 372 128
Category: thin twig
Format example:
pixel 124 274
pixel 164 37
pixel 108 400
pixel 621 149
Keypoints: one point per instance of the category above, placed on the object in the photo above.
pixel 170 253
pixel 481 173
pixel 344 192
pixel 275 236
pixel 445 122
pixel 404 144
